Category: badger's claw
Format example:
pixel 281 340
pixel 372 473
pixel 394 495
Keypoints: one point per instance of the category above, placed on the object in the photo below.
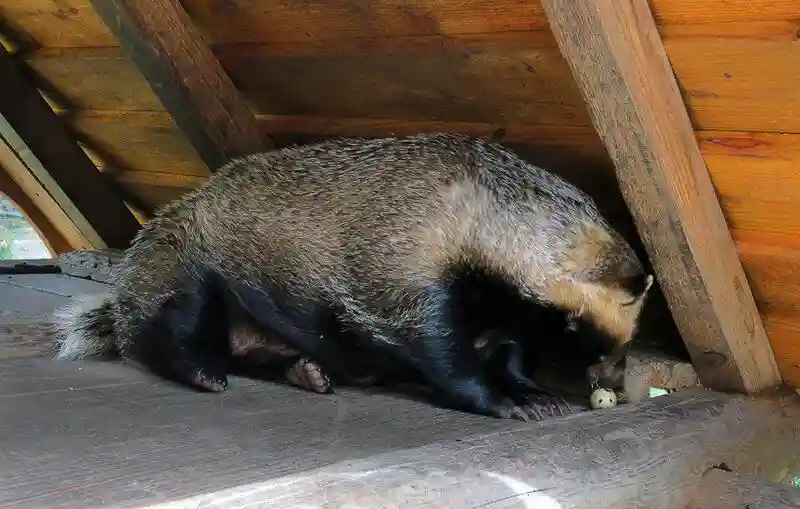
pixel 507 409
pixel 534 407
pixel 542 406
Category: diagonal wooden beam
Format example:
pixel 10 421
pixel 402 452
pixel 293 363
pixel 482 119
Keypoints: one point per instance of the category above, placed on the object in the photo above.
pixel 53 215
pixel 619 63
pixel 42 138
pixel 185 76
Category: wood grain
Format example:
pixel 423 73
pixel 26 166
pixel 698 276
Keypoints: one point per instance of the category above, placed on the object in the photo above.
pixel 774 270
pixel 755 176
pixel 26 304
pixel 95 78
pixel 521 77
pixel 148 196
pixel 55 23
pixel 724 490
pixel 161 147
pixel 525 86
pixel 50 143
pixel 616 55
pixel 93 265
pixel 785 338
pixel 184 74
pixel 753 166
pixel 517 84
pixel 772 264
pixel 761 215
pixel 743 83
pixel 732 158
pixel 74 22
pixel 22 336
pixel 138 141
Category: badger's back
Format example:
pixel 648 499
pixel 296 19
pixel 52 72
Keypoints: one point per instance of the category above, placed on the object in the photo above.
pixel 382 208
pixel 356 221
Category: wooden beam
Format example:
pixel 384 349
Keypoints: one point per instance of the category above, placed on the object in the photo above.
pixel 49 144
pixel 618 60
pixel 185 76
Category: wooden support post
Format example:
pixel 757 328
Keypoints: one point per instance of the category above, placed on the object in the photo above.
pixel 49 145
pixel 187 78
pixel 619 63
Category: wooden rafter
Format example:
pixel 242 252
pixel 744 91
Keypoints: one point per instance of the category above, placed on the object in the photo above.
pixel 185 76
pixel 45 141
pixel 617 58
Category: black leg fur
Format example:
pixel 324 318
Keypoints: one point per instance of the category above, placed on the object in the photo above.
pixel 505 362
pixel 445 355
pixel 186 340
pixel 309 326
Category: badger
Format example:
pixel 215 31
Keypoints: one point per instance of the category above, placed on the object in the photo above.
pixel 380 237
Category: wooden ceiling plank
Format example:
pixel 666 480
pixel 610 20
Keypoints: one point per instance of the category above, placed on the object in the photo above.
pixel 618 60
pixel 185 76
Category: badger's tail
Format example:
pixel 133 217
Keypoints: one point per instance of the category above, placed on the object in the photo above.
pixel 86 328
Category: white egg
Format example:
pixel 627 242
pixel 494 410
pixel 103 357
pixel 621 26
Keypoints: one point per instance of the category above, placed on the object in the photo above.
pixel 603 398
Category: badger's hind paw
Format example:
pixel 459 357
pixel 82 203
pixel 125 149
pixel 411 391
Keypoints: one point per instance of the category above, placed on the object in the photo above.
pixel 308 375
pixel 214 382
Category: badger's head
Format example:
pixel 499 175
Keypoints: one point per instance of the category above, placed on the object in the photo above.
pixel 602 297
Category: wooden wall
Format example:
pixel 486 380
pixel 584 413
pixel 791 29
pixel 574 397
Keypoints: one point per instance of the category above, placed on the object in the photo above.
pixel 320 68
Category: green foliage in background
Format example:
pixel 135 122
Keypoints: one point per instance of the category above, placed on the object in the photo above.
pixel 15 232
pixel 5 249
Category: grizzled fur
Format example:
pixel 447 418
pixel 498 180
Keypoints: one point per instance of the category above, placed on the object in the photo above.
pixel 373 236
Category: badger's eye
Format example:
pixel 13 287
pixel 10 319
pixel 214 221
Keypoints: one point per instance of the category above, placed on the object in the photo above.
pixel 572 326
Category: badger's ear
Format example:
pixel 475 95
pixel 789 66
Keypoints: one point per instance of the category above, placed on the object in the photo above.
pixel 637 285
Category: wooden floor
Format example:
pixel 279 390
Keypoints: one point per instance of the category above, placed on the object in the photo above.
pixel 96 434
pixel 106 435
pixel 78 435
pixel 26 301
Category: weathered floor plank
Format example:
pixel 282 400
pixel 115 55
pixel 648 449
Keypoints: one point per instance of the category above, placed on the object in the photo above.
pixel 102 434
pixel 26 304
pixel 106 435
pixel 726 490
pixel 22 291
